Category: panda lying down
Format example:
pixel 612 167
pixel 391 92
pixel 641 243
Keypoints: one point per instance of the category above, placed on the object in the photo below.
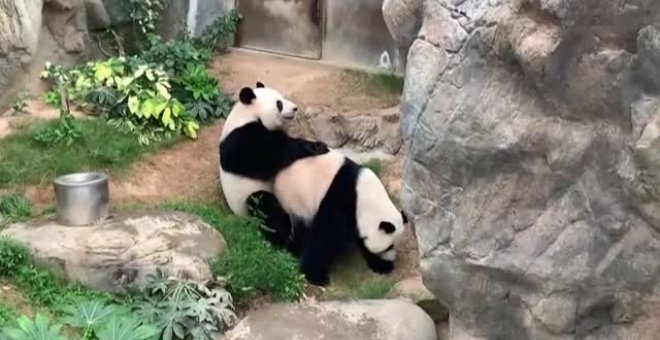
pixel 335 203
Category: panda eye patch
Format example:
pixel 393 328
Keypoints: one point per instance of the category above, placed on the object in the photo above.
pixel 280 106
pixel 387 227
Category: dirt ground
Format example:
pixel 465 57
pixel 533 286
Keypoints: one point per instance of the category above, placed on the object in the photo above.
pixel 189 170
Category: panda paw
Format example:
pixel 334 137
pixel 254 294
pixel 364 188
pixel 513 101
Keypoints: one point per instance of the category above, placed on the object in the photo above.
pixel 317 280
pixel 317 148
pixel 382 267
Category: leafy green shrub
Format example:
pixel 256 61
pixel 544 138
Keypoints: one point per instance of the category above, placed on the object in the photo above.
pixel 37 329
pixel 251 264
pixel 13 255
pixel 165 91
pixel 175 55
pixel 185 309
pixel 135 95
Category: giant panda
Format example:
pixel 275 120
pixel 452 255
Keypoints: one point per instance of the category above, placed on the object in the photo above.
pixel 253 148
pixel 338 203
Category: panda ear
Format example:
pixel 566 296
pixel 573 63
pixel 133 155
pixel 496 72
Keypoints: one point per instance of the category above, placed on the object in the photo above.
pixel 405 218
pixel 260 84
pixel 387 227
pixel 247 96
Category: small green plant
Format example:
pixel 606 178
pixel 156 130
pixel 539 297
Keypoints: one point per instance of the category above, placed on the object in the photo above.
pixel 7 315
pixel 13 255
pixel 375 165
pixel 124 327
pixel 186 309
pixel 19 104
pixel 99 320
pixel 38 329
pixel 145 15
pixel 14 207
pixel 90 316
pixel 65 132
pixel 220 34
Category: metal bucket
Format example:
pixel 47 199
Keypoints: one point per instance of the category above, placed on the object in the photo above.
pixel 82 198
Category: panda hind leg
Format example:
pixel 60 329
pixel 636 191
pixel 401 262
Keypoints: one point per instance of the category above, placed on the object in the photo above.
pixel 276 224
pixel 324 242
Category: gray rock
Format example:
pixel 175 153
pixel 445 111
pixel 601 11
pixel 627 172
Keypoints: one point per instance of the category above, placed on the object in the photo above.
pixel 370 131
pixel 192 17
pixel 532 171
pixel 120 253
pixel 413 289
pixel 97 16
pixel 369 319
pixel 67 23
pixel 117 10
pixel 648 47
pixel 402 18
pixel 20 23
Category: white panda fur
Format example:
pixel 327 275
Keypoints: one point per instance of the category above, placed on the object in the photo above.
pixel 253 149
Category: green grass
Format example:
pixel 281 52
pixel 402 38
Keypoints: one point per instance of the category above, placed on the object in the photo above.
pixel 377 83
pixel 375 165
pixel 251 265
pixel 24 161
pixel 14 207
pixel 353 280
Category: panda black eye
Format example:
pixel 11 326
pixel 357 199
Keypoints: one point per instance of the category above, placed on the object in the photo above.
pixel 280 106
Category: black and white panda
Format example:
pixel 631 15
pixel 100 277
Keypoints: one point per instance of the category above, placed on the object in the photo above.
pixel 338 203
pixel 253 149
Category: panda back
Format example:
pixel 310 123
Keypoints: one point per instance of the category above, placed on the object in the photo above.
pixel 303 185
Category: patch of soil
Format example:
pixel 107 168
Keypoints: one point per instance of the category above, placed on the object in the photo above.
pixel 306 83
pixel 14 298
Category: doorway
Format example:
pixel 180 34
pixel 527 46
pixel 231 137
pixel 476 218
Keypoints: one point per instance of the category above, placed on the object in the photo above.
pixel 292 27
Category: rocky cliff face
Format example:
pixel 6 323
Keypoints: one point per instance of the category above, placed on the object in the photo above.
pixel 35 31
pixel 532 132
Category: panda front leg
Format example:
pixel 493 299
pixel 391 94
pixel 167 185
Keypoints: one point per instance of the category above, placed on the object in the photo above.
pixel 276 224
pixel 324 242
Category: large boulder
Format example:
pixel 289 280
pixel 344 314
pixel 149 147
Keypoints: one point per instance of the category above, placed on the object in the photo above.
pixel 532 171
pixel 20 24
pixel 369 319
pixel 120 253
pixel 33 32
pixel 358 130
